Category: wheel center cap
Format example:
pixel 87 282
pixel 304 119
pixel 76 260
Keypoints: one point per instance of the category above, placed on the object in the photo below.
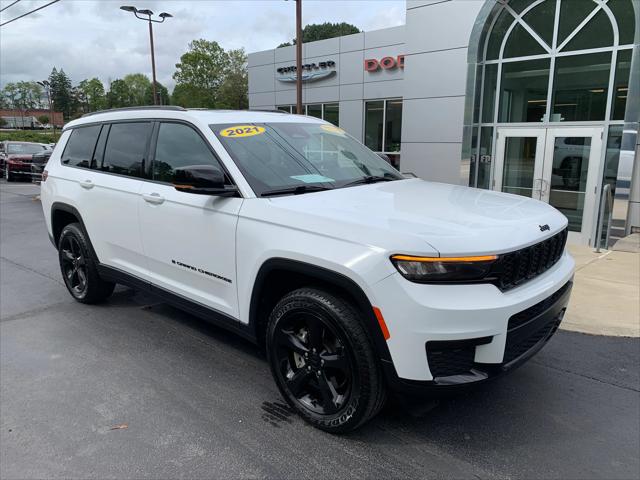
pixel 314 361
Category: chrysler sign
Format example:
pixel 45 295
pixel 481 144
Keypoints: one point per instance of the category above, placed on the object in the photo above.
pixel 311 72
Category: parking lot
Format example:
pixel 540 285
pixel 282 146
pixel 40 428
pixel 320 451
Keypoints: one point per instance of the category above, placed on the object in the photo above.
pixel 137 389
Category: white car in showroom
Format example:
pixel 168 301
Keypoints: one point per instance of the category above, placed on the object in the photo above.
pixel 288 231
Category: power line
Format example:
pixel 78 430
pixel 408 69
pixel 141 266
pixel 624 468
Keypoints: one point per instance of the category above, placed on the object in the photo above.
pixel 11 5
pixel 28 13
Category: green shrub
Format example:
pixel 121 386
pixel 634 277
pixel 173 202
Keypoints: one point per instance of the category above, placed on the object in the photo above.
pixel 29 136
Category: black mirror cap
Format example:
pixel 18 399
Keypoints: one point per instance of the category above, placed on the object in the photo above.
pixel 203 180
pixel 199 176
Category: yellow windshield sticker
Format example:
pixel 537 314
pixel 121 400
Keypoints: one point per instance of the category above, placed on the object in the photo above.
pixel 332 129
pixel 239 131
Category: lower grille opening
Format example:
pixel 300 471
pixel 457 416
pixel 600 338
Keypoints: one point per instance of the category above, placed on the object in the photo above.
pixel 453 357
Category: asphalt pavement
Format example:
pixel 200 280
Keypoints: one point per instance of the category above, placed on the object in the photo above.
pixel 137 389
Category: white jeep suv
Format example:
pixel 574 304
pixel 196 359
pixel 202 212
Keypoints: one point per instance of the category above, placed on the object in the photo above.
pixel 288 231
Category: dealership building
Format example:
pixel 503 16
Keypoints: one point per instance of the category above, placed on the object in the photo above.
pixel 533 97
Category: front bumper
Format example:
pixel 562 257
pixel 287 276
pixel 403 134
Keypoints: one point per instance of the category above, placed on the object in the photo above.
pixel 450 335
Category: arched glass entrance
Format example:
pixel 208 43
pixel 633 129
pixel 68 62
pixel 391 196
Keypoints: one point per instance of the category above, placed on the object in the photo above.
pixel 551 87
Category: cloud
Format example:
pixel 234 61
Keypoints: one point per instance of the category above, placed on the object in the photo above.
pixel 94 38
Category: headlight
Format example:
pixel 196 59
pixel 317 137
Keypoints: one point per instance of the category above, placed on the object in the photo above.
pixel 443 269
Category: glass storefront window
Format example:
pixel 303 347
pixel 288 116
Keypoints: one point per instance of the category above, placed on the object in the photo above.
pixel 597 33
pixel 489 95
pixel 326 111
pixel 580 87
pixel 373 125
pixel 522 44
pixel 498 32
pixel 523 91
pixel 473 157
pixel 621 88
pixel 572 13
pixel 485 157
pixel 541 18
pixel 331 113
pixel 315 110
pixel 393 126
pixel 383 128
pixel 626 20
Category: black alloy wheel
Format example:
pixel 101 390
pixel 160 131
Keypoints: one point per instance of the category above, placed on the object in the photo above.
pixel 313 362
pixel 74 266
pixel 323 361
pixel 79 270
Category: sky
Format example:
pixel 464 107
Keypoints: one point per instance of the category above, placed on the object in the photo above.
pixel 94 38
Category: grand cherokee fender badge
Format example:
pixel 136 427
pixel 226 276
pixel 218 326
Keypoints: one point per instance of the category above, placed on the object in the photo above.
pixel 202 271
pixel 544 228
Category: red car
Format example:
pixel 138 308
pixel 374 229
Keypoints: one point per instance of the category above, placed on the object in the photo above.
pixel 15 159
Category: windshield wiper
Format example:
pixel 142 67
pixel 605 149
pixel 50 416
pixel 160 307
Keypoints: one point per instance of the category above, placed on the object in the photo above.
pixel 297 190
pixel 370 179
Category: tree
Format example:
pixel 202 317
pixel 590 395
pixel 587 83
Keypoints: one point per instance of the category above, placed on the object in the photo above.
pixel 137 84
pixel 190 96
pixel 202 71
pixel 119 95
pixel 161 92
pixel 234 88
pixel 22 96
pixel 93 94
pixel 322 31
pixel 43 119
pixel 61 92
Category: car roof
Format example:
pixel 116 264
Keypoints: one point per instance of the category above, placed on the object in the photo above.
pixel 205 116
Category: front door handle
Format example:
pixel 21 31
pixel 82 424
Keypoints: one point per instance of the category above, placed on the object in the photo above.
pixel 88 184
pixel 154 198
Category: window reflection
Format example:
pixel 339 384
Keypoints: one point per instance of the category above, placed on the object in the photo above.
pixel 580 87
pixel 523 91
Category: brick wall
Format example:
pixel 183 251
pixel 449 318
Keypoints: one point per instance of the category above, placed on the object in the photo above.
pixel 57 116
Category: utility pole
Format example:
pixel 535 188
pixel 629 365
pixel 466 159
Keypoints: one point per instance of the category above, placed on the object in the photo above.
pixel 299 57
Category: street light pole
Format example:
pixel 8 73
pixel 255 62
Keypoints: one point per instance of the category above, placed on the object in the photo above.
pixel 47 88
pixel 153 62
pixel 149 14
pixel 299 56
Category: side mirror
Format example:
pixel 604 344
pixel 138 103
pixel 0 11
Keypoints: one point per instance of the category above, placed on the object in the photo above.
pixel 385 157
pixel 202 180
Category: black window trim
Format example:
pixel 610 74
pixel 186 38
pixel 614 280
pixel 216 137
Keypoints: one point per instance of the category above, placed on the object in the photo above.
pixel 154 142
pixel 145 154
pixel 151 148
pixel 93 152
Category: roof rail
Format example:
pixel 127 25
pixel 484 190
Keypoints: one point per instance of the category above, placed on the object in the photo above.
pixel 148 107
pixel 268 110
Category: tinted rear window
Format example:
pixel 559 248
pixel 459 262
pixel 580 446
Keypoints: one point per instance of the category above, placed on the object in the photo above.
pixel 80 147
pixel 126 147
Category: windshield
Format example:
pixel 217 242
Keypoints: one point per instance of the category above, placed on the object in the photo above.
pixel 275 156
pixel 26 148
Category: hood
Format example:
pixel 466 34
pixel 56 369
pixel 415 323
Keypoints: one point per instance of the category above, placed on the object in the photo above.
pixel 417 217
pixel 22 157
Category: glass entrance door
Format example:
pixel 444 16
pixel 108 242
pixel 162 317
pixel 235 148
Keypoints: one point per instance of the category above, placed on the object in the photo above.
pixel 554 165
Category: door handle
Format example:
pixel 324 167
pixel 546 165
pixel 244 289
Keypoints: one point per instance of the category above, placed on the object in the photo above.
pixel 154 198
pixel 88 184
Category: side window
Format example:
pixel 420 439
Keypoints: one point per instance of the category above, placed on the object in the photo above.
pixel 179 146
pixel 79 149
pixel 126 147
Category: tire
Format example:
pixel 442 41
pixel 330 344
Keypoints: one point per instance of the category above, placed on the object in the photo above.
pixel 79 271
pixel 7 173
pixel 323 361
